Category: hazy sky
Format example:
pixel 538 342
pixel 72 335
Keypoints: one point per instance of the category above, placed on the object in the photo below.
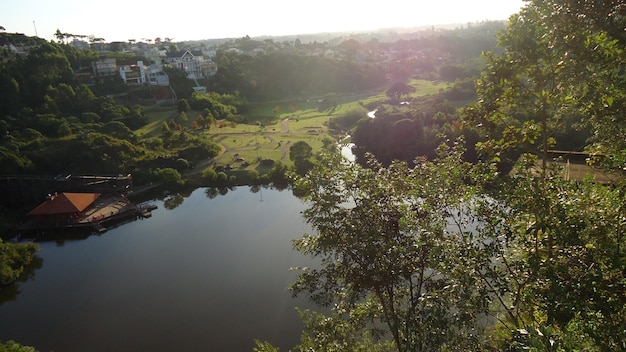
pixel 120 20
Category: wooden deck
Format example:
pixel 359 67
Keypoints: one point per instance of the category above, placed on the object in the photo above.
pixel 106 211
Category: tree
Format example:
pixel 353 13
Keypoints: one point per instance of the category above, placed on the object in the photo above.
pixel 169 176
pixel 182 105
pixel 387 255
pixel 523 93
pixel 300 153
pixel 428 251
pixel 558 62
pixel 59 35
pixel 209 175
pixel 12 346
pixel 398 89
pixel 14 260
pixel 45 65
pixel 591 42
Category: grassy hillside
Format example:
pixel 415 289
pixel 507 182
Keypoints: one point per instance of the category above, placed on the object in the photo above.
pixel 272 127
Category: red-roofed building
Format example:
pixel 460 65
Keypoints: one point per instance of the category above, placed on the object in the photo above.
pixel 64 207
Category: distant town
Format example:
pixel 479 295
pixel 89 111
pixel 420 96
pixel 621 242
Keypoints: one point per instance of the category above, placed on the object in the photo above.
pixel 196 58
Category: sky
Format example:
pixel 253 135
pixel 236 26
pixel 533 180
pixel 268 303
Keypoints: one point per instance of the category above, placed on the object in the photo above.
pixel 121 20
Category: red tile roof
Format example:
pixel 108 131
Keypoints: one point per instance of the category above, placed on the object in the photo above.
pixel 65 203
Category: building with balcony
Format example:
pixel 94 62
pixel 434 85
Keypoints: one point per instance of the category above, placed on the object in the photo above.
pixel 104 68
pixel 133 74
pixel 187 61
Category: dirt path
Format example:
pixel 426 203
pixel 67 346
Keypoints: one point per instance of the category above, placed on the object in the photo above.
pixel 284 125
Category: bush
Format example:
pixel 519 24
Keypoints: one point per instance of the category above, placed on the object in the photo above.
pixel 182 164
pixel 169 176
pixel 222 178
pixel 14 260
pixel 12 346
pixel 209 175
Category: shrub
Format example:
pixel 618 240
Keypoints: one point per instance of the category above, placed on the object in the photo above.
pixel 209 174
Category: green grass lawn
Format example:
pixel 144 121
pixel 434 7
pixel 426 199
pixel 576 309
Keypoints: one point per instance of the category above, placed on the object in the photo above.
pixel 274 136
pixel 425 87
pixel 156 115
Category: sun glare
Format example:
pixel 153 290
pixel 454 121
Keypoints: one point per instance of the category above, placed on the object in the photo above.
pixel 236 19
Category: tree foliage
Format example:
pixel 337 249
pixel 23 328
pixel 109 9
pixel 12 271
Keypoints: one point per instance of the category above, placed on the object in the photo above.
pixel 282 75
pixel 443 255
pixel 12 346
pixel 301 153
pixel 404 133
pixel 14 260
pixel 387 253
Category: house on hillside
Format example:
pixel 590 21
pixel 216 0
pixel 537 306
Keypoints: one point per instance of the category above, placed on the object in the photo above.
pixel 104 68
pixel 61 209
pixel 156 76
pixel 187 61
pixel 133 74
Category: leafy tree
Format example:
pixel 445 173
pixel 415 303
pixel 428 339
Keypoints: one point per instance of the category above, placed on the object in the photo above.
pixel 588 36
pixel 10 99
pixel 550 72
pixel 169 176
pixel 566 232
pixel 300 153
pixel 398 89
pixel 300 150
pixel 182 105
pixel 14 260
pixel 388 257
pixel 165 128
pixel 45 65
pixel 182 164
pixel 12 346
pixel 64 130
pixel 262 346
pixel 336 333
pixel 89 117
pixel 397 134
pixel 278 175
pixel 209 175
pixel 523 94
pixel 12 162
pixel 117 129
pixel 428 251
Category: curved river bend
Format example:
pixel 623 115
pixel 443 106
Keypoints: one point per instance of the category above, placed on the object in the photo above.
pixel 208 275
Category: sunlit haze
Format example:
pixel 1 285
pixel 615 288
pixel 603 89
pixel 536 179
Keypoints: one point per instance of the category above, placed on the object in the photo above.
pixel 118 20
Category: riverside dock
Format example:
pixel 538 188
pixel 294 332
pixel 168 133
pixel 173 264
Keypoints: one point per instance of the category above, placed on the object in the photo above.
pixel 106 211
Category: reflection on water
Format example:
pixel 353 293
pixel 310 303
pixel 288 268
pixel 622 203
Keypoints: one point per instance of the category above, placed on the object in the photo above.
pixel 347 153
pixel 204 273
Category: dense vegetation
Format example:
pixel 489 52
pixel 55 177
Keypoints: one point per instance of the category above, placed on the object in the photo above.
pixel 445 255
pixel 15 260
pixel 429 242
pixel 12 346
pixel 51 124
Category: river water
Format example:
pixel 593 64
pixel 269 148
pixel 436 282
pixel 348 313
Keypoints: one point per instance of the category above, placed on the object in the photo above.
pixel 208 275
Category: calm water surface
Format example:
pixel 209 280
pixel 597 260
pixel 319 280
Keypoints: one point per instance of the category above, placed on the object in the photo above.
pixel 209 275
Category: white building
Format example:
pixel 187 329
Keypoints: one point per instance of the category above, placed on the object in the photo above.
pixel 133 74
pixel 187 61
pixel 156 76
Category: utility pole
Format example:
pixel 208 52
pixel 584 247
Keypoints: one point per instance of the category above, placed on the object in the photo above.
pixel 34 25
